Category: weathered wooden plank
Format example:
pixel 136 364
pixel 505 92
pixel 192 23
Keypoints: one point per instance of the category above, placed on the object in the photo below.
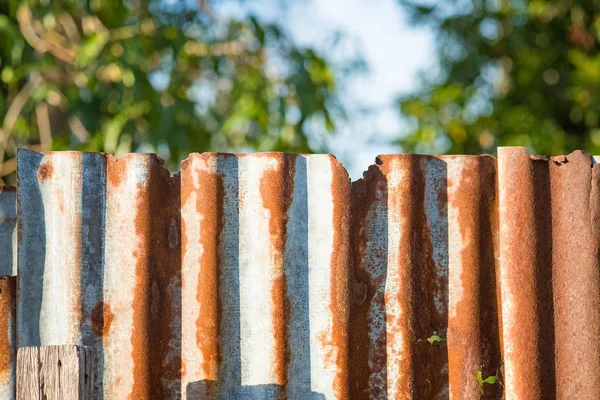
pixel 55 373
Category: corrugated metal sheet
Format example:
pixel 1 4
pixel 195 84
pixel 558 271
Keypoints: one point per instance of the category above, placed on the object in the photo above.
pixel 425 249
pixel 550 274
pixel 272 276
pixel 182 282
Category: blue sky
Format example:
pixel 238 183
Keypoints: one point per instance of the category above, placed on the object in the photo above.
pixel 394 51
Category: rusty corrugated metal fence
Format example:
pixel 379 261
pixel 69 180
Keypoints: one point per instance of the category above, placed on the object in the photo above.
pixel 267 276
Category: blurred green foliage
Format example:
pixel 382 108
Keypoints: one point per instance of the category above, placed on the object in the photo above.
pixel 160 76
pixel 511 72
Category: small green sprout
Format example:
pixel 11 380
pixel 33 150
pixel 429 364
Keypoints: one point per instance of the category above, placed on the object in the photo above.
pixel 489 380
pixel 435 338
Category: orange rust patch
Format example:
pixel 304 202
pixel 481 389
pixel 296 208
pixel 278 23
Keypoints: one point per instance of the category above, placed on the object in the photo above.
pixel 280 318
pixel 163 283
pixel 102 317
pixel 570 294
pixel 339 284
pixel 421 370
pixel 139 331
pixel 46 170
pixel 428 366
pixel 209 196
pixel 276 189
pixel 473 332
pixel 328 345
pixel 7 317
pixel 156 365
pixel 367 292
pixel 118 169
pixel 529 269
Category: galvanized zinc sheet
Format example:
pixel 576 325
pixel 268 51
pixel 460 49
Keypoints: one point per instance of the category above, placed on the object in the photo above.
pixel 264 276
pixel 8 220
pixel 272 276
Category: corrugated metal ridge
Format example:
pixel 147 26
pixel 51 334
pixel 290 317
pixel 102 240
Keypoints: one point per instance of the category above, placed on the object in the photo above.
pixel 269 275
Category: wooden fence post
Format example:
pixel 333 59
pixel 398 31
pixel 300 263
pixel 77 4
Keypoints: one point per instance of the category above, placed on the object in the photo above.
pixel 55 373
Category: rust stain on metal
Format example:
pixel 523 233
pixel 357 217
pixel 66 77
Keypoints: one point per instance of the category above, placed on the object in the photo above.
pixel 166 206
pixel 157 270
pixel 8 296
pixel 117 170
pixel 519 249
pixel 411 311
pixel 575 276
pixel 46 170
pixel 526 216
pixel 473 339
pixel 157 276
pixel 211 295
pixel 549 274
pixel 280 317
pixel 369 197
pixel 102 317
pixel 399 336
pixel 340 257
pixel 207 284
pixel 428 361
pixel 276 190
pixel 325 339
pixel 140 331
